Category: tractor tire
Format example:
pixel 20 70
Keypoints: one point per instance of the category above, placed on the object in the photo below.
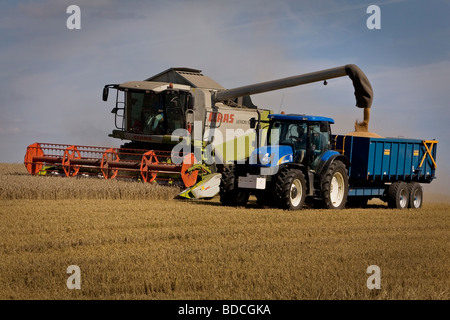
pixel 290 189
pixel 415 193
pixel 334 186
pixel 230 194
pixel 398 195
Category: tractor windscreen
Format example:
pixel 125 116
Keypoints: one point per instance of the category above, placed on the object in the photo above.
pixel 155 113
pixel 307 139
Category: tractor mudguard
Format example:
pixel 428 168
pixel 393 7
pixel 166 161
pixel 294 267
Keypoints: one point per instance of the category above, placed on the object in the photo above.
pixel 328 158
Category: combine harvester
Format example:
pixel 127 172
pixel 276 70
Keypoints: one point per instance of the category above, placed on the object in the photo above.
pixel 177 124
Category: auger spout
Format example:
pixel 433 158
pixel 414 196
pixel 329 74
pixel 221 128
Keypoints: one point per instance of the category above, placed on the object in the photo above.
pixel 363 88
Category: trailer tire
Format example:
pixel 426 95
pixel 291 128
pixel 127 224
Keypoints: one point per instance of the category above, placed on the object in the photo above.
pixel 334 186
pixel 290 189
pixel 229 193
pixel 398 195
pixel 415 193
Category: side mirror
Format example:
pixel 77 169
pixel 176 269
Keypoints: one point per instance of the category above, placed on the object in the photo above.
pixel 105 93
pixel 252 122
pixel 114 110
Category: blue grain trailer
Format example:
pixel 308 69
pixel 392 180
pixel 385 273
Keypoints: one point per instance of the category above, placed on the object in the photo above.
pixel 301 160
pixel 387 168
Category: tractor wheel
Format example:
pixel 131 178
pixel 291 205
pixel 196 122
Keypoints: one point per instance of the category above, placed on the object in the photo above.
pixel 334 186
pixel 415 193
pixel 398 195
pixel 290 189
pixel 230 195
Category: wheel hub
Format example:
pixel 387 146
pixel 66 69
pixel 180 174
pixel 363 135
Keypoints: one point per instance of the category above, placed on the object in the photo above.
pixel 294 192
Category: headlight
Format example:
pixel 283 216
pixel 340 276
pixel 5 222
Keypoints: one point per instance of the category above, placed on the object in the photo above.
pixel 265 160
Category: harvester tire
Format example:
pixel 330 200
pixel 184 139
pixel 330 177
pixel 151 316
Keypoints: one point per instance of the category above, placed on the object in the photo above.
pixel 290 189
pixel 334 186
pixel 398 195
pixel 415 193
pixel 230 194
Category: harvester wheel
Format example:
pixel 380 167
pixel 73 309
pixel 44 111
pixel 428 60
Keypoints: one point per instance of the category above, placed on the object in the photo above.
pixel 69 154
pixel 189 177
pixel 33 150
pixel 230 195
pixel 334 186
pixel 109 156
pixel 290 189
pixel 148 159
pixel 398 195
pixel 415 192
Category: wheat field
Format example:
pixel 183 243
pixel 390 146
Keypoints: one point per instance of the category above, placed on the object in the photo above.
pixel 134 241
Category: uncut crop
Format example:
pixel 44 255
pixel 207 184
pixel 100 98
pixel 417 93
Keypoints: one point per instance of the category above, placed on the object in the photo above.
pixel 16 183
pixel 156 247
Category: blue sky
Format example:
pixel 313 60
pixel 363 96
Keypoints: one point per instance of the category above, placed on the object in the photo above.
pixel 51 77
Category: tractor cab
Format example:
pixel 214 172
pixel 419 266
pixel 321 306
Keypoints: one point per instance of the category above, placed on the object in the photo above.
pixel 298 139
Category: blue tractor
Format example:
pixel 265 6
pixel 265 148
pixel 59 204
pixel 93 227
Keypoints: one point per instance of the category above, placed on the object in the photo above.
pixel 298 161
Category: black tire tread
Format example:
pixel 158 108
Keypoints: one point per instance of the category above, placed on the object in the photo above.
pixel 228 188
pixel 326 182
pixel 283 186
pixel 411 187
pixel 393 194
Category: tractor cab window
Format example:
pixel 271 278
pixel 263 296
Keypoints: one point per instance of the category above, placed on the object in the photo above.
pixel 319 142
pixel 298 136
pixel 291 134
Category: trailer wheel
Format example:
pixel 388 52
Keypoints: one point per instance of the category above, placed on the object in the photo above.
pixel 230 195
pixel 334 186
pixel 398 195
pixel 290 189
pixel 415 193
